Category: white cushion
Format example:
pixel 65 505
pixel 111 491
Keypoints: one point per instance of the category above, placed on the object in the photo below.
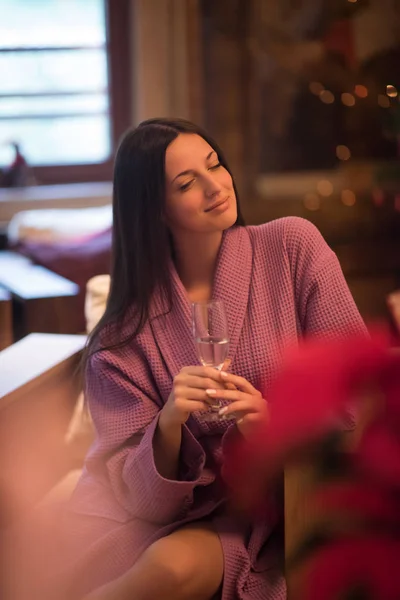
pixel 58 224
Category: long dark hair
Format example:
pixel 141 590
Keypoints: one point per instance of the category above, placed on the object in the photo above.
pixel 141 245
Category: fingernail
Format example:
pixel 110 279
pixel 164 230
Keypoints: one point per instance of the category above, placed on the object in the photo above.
pixel 223 411
pixel 211 392
pixel 224 374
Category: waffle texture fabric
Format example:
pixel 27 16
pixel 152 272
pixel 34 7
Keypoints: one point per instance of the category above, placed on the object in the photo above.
pixel 280 282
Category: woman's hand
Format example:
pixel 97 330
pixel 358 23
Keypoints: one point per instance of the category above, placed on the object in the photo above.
pixel 189 395
pixel 246 403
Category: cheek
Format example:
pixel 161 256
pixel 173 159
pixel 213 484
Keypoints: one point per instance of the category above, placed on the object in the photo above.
pixel 184 209
pixel 225 179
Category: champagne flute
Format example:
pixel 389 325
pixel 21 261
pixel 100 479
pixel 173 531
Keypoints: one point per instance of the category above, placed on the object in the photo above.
pixel 210 330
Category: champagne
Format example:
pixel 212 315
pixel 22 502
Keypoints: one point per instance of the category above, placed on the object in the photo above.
pixel 212 351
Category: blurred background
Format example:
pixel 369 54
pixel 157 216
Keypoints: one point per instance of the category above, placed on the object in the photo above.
pixel 303 96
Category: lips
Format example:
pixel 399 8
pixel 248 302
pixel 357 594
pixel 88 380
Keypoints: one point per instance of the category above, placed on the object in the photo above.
pixel 217 204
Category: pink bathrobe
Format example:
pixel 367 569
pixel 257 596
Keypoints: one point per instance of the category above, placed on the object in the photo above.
pixel 279 281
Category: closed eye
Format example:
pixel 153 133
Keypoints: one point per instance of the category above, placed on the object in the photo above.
pixel 186 186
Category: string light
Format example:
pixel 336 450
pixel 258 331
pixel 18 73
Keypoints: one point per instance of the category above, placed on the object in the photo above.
pixel 325 188
pixel 378 197
pixel 316 88
pixel 348 198
pixel 327 97
pixel 343 152
pixel 391 91
pixel 361 91
pixel 383 101
pixel 348 99
pixel 312 201
pixel 352 1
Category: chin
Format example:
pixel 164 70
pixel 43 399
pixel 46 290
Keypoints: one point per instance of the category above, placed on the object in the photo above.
pixel 229 218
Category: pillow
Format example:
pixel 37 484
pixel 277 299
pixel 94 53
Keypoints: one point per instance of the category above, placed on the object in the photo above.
pixel 58 224
pixel 80 433
pixel 97 289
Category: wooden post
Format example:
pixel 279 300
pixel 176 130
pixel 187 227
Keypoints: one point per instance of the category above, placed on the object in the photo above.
pixel 6 335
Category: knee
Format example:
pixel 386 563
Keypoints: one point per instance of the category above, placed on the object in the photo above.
pixel 177 571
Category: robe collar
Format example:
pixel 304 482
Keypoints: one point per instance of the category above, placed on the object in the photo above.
pixel 173 330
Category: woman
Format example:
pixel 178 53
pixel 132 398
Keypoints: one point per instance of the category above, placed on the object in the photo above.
pixel 149 512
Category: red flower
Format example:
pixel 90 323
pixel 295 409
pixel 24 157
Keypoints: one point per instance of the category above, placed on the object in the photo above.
pixel 365 563
pixel 354 543
pixel 378 455
pixel 360 501
pixel 316 391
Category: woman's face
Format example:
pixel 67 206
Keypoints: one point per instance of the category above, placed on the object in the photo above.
pixel 200 195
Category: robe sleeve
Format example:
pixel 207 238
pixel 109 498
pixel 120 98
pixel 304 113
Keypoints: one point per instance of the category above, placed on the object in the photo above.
pixel 325 306
pixel 324 303
pixel 125 418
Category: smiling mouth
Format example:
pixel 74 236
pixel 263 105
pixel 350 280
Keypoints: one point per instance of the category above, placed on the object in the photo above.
pixel 217 204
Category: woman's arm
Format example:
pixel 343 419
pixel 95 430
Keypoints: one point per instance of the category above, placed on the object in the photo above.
pixel 324 303
pixel 126 453
pixel 167 447
pixel 189 394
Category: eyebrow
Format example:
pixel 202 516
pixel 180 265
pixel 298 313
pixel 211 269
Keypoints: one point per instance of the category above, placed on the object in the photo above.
pixel 190 171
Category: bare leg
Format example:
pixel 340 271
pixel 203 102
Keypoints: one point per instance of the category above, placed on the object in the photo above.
pixel 186 565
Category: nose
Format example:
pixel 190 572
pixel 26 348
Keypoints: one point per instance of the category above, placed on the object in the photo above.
pixel 212 187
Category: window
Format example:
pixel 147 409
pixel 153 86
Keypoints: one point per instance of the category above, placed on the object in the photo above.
pixel 57 86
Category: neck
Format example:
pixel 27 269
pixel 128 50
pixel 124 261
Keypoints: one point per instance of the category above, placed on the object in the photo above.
pixel 195 259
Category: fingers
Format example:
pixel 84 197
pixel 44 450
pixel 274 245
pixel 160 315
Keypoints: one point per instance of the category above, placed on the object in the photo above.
pixel 243 408
pixel 226 365
pixel 196 387
pixel 239 382
pixel 192 393
pixel 189 389
pixel 232 395
pixel 241 403
pixel 246 424
pixel 229 386
pixel 250 418
pixel 188 406
pixel 194 381
pixel 199 371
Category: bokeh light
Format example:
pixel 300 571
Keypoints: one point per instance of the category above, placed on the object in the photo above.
pixel 391 91
pixel 327 97
pixel 383 101
pixel 343 152
pixel 316 87
pixel 378 197
pixel 348 99
pixel 312 201
pixel 361 91
pixel 325 187
pixel 348 197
